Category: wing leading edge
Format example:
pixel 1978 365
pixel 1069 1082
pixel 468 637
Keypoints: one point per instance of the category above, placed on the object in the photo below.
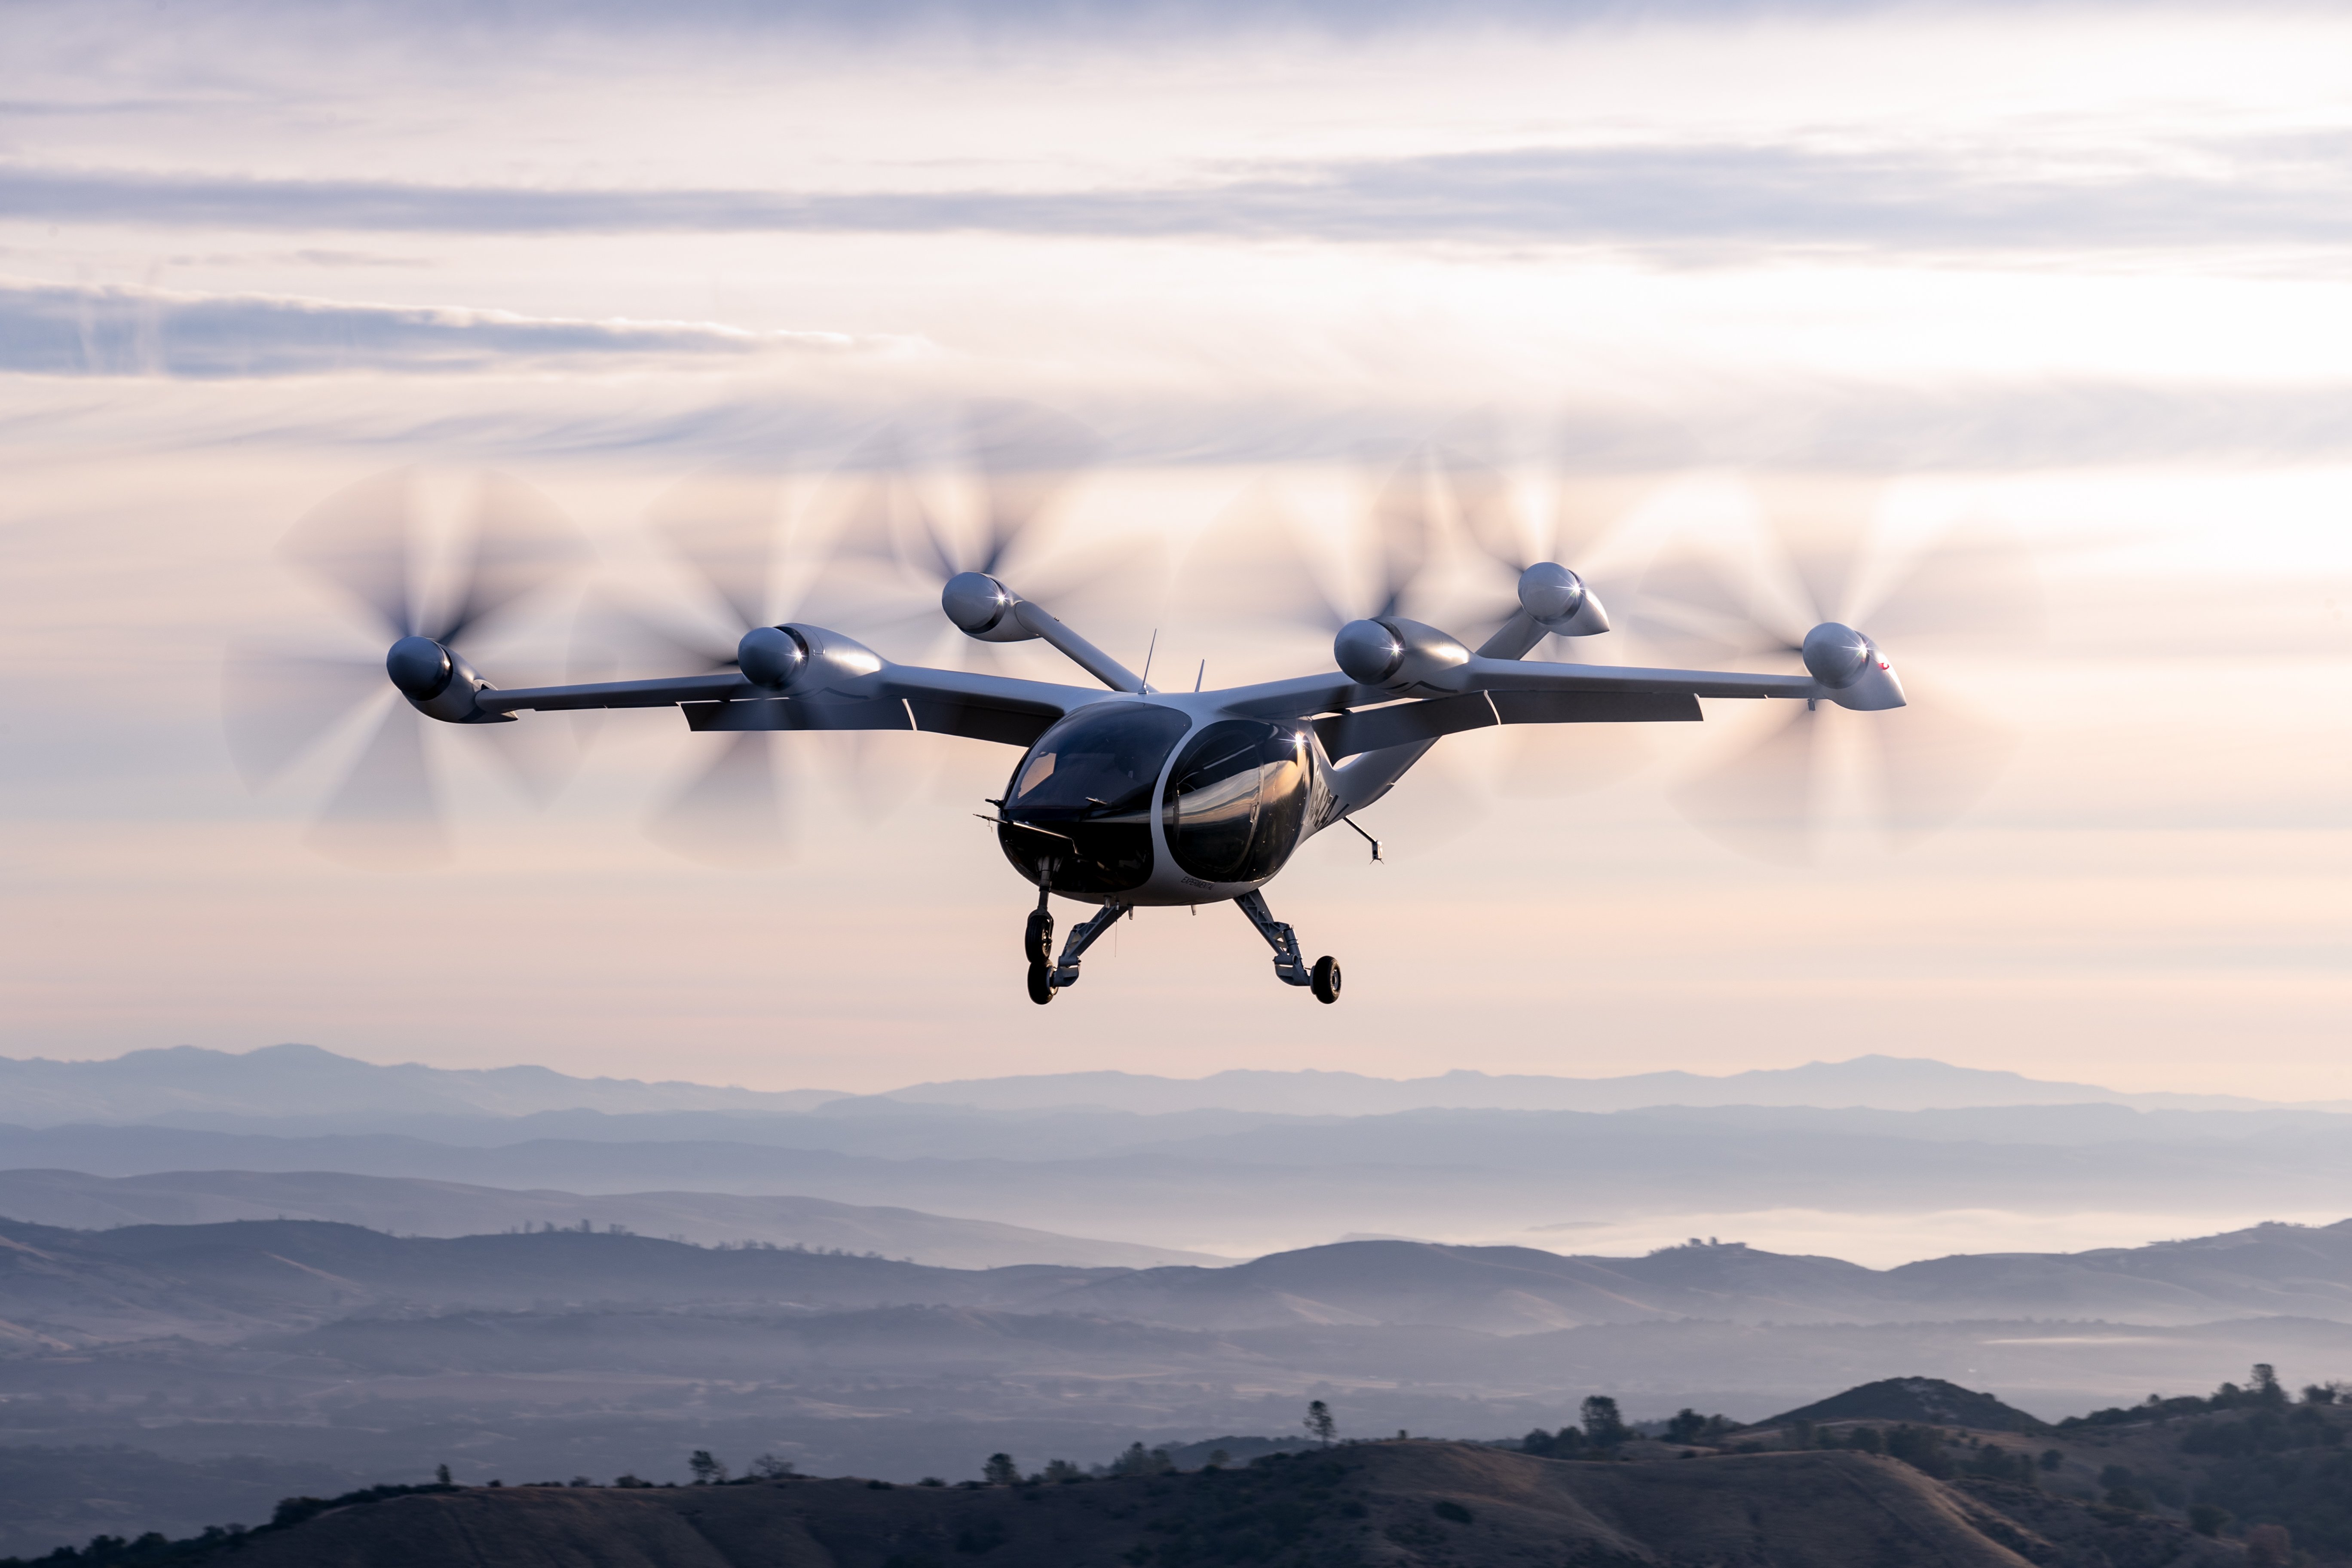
pixel 891 697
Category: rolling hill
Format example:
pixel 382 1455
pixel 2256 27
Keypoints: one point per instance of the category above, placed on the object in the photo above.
pixel 70 1287
pixel 414 1206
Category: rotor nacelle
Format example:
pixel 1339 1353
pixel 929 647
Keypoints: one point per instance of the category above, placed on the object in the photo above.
pixel 438 682
pixel 983 608
pixel 1561 602
pixel 1850 665
pixel 1396 654
pixel 796 658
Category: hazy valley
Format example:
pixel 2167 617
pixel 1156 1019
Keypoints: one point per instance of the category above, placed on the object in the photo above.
pixel 214 1284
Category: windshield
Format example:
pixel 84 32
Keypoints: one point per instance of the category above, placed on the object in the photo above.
pixel 1078 815
pixel 1099 763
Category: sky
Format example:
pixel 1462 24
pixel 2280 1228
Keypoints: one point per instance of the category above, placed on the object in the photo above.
pixel 2073 276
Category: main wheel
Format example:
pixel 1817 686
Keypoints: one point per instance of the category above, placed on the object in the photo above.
pixel 1327 979
pixel 1038 941
pixel 1041 984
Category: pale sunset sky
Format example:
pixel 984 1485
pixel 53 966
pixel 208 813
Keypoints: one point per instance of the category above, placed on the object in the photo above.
pixel 2079 274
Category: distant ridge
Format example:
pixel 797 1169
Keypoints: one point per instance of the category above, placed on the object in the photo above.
pixel 191 1086
pixel 410 1206
pixel 1876 1082
pixel 304 1080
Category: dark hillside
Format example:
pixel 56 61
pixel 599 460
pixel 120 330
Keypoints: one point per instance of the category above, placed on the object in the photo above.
pixel 54 1493
pixel 1387 1503
pixel 1926 1399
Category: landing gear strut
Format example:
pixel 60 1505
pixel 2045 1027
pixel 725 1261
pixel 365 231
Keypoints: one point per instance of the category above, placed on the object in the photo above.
pixel 1289 967
pixel 1046 978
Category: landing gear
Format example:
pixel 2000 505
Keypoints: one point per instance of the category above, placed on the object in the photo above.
pixel 1046 978
pixel 1038 941
pixel 1289 966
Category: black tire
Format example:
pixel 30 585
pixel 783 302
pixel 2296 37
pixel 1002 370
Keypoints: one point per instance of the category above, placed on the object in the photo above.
pixel 1038 941
pixel 1041 984
pixel 1327 979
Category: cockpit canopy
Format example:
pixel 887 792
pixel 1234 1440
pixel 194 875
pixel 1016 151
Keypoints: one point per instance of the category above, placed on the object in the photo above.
pixel 1079 810
pixel 1080 815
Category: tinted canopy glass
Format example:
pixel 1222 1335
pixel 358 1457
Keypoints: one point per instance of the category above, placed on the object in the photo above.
pixel 1079 810
pixel 1236 802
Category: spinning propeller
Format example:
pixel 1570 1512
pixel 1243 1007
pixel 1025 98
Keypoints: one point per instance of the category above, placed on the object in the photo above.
pixel 892 564
pixel 1972 590
pixel 1250 570
pixel 1539 553
pixel 277 705
pixel 899 558
pixel 1583 509
pixel 723 525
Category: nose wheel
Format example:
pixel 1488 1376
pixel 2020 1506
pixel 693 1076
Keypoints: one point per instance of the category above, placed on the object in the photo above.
pixel 1049 975
pixel 1037 947
pixel 1326 979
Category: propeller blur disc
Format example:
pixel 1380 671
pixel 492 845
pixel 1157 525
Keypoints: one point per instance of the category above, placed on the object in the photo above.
pixel 362 543
pixel 1970 591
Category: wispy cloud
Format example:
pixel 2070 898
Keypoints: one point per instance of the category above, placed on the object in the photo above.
pixel 2254 191
pixel 1058 21
pixel 58 330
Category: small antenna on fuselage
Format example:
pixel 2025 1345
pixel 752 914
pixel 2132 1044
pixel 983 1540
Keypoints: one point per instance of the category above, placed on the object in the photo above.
pixel 1146 681
pixel 1202 673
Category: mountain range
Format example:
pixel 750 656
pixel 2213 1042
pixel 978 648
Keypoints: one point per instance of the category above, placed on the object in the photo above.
pixel 221 1266
pixel 297 1080
pixel 190 1351
pixel 189 1086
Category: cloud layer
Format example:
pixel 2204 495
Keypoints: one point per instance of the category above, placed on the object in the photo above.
pixel 2254 191
pixel 61 330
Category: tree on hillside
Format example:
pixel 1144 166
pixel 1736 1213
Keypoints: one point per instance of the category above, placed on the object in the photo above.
pixel 1603 1426
pixel 1138 1460
pixel 1320 1425
pixel 1000 1472
pixel 1564 1444
pixel 1997 1463
pixel 707 1471
pixel 1921 1448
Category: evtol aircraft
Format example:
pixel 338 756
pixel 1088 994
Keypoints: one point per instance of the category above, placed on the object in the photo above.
pixel 1124 796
